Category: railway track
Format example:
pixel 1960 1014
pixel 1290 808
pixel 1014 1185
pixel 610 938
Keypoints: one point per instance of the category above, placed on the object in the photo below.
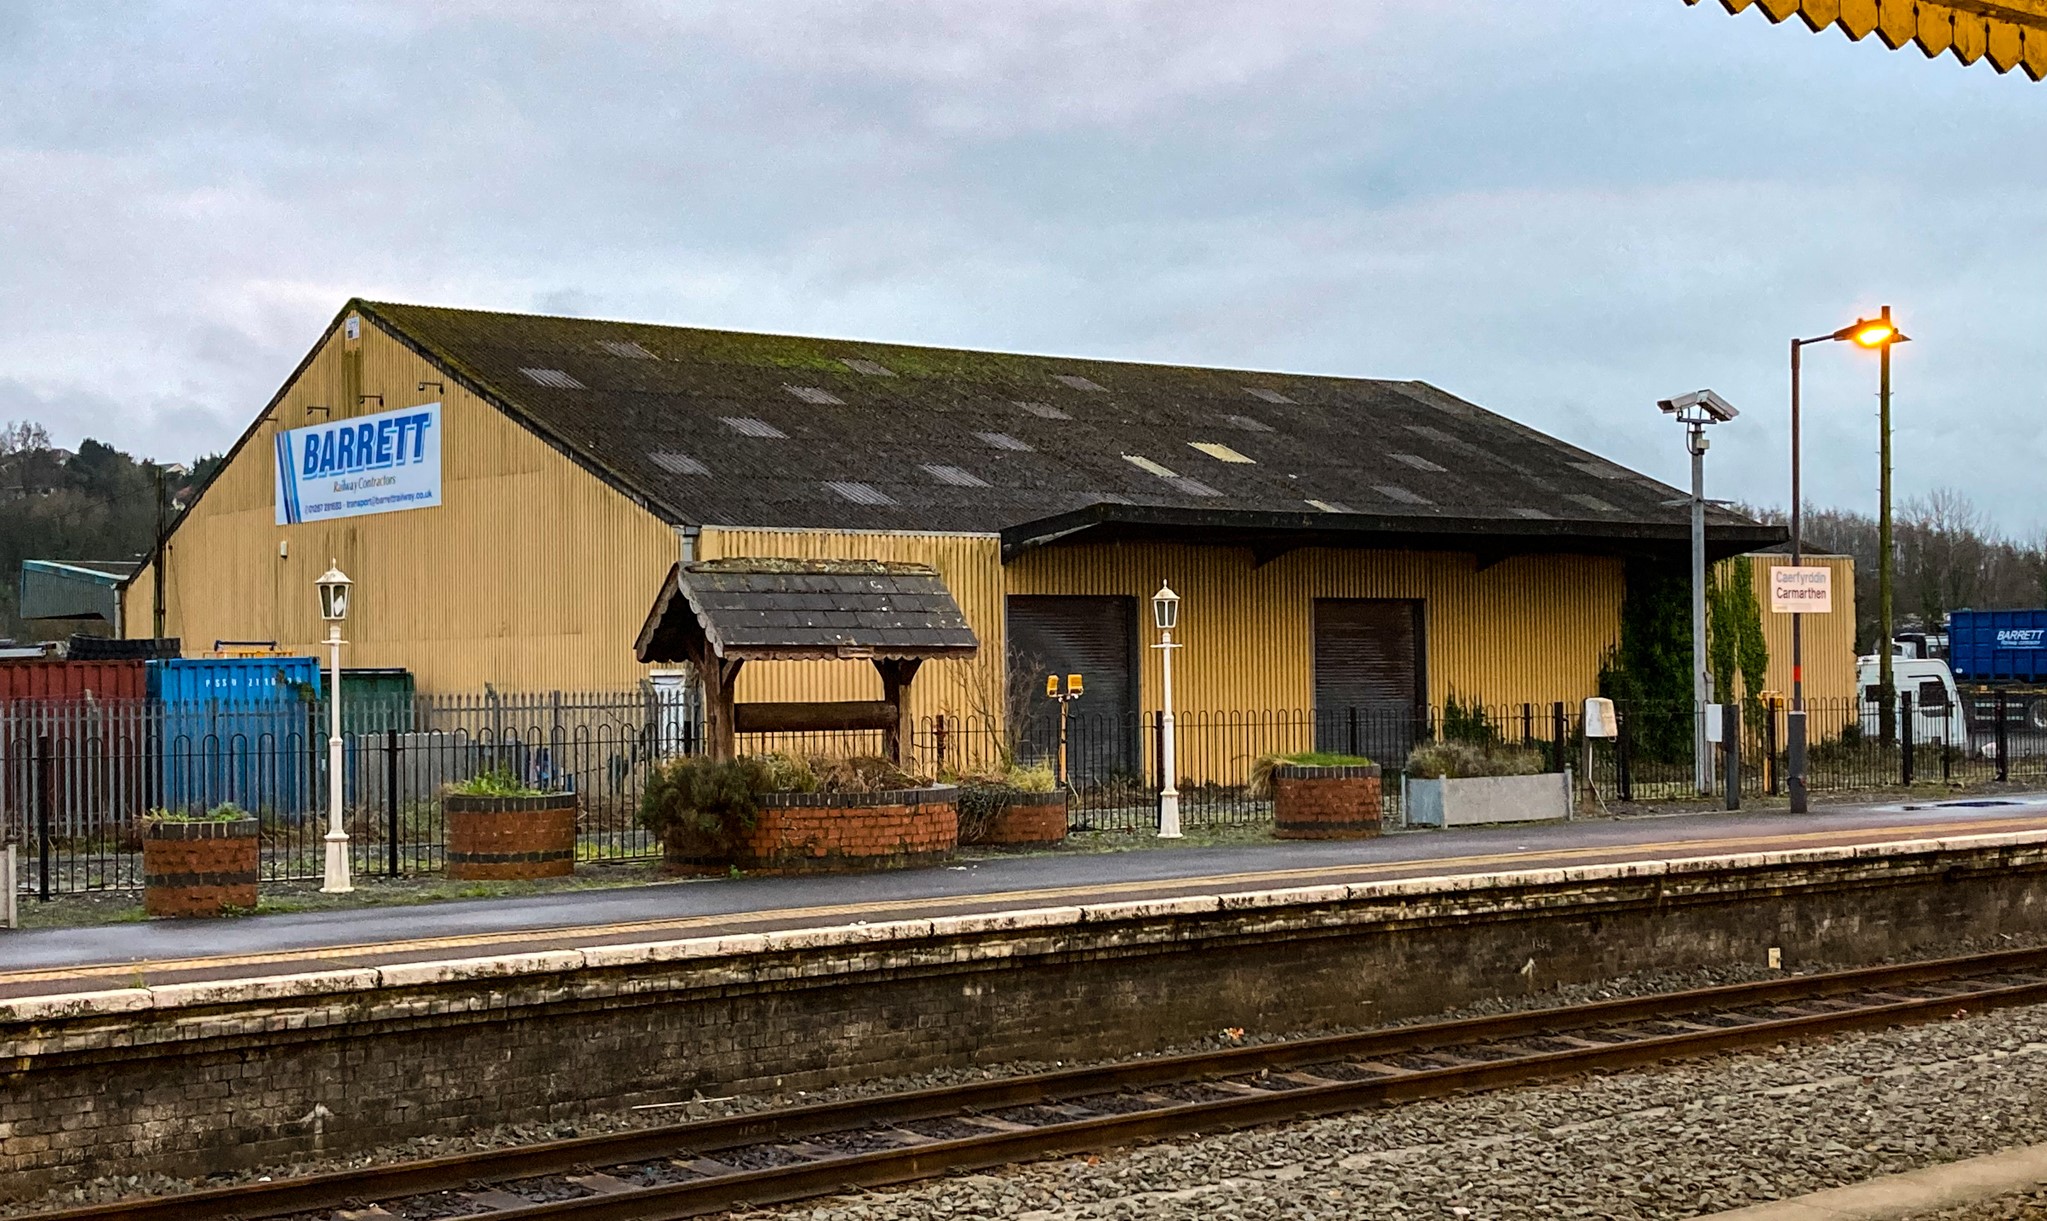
pixel 792 1153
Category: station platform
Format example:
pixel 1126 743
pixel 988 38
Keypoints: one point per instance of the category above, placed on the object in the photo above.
pixel 55 962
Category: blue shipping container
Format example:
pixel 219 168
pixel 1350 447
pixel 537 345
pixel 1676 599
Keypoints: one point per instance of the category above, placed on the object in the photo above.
pixel 246 730
pixel 1998 646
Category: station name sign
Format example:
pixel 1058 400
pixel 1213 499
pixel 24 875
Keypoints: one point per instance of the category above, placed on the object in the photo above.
pixel 1801 591
pixel 378 463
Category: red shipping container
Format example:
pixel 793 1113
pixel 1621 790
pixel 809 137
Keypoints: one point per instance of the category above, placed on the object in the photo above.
pixel 94 718
pixel 69 680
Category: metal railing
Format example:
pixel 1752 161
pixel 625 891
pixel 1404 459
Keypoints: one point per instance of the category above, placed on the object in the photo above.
pixel 78 777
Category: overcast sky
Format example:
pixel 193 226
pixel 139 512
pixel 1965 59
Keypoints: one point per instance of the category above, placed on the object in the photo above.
pixel 1561 209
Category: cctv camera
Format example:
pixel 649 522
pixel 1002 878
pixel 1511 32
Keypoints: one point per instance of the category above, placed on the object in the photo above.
pixel 1717 409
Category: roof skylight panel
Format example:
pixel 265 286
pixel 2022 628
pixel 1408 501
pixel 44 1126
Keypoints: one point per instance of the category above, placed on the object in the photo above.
pixel 1393 491
pixel 816 395
pixel 1002 440
pixel 1591 502
pixel 860 493
pixel 1530 514
pixel 677 464
pixel 1247 423
pixel 1045 411
pixel 1601 470
pixel 1143 463
pixel 748 426
pixel 1193 487
pixel 870 368
pixel 1417 462
pixel 1332 506
pixel 958 477
pixel 1221 452
pixel 626 348
pixel 1270 396
pixel 553 379
pixel 1078 382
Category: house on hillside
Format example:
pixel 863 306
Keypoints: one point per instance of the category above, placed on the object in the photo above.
pixel 1337 542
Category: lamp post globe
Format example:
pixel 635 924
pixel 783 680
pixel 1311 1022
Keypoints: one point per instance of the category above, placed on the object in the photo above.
pixel 334 586
pixel 1165 614
pixel 335 596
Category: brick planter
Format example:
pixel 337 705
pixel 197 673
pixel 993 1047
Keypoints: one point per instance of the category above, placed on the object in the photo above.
pixel 510 838
pixel 1325 802
pixel 1025 819
pixel 893 829
pixel 199 868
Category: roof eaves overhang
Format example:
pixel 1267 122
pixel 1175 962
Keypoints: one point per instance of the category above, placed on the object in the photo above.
pixel 1246 528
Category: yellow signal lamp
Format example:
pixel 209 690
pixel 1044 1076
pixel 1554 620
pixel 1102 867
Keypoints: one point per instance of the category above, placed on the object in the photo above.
pixel 1073 684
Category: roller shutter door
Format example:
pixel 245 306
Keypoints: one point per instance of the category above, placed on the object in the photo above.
pixel 1097 639
pixel 1368 677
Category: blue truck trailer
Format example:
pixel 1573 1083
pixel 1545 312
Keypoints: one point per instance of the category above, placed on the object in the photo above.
pixel 2000 653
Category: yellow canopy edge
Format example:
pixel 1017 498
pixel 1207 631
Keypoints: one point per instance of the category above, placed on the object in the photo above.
pixel 2008 33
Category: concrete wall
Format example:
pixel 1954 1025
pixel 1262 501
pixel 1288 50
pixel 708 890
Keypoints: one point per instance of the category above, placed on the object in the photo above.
pixel 195 1078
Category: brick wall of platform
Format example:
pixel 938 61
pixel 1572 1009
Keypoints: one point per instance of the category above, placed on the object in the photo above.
pixel 193 1078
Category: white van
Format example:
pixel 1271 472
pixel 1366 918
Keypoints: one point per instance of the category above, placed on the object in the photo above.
pixel 1937 712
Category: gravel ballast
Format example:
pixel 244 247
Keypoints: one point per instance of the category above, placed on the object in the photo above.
pixel 1676 1141
pixel 1672 1142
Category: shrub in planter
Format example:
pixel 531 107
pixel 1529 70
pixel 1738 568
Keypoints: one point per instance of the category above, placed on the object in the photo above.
pixel 200 864
pixel 785 813
pixel 1318 795
pixel 500 829
pixel 1461 760
pixel 1474 783
pixel 1017 807
pixel 699 809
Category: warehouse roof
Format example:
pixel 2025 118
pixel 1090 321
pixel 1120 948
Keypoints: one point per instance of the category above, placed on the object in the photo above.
pixel 740 429
pixel 788 609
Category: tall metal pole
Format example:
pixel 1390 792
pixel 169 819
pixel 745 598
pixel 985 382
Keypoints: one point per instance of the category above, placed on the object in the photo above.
pixel 1169 789
pixel 335 880
pixel 1795 729
pixel 1702 681
pixel 156 584
pixel 1888 701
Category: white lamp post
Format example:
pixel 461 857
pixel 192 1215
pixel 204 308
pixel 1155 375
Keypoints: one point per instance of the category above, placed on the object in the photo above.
pixel 1165 612
pixel 334 585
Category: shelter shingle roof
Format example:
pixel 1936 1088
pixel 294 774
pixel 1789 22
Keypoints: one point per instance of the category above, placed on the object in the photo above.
pixel 777 608
pixel 1308 439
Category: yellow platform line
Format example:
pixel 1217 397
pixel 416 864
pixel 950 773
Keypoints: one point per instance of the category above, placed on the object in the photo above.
pixel 1046 896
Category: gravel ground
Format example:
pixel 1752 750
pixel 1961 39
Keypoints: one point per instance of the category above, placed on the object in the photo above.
pixel 2029 1207
pixel 1673 1142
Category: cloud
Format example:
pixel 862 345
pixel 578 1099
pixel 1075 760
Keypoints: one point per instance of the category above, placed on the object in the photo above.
pixel 1563 211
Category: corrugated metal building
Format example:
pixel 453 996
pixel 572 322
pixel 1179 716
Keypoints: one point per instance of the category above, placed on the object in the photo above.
pixel 1333 539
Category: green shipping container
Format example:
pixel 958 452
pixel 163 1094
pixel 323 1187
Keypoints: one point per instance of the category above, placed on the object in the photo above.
pixel 375 700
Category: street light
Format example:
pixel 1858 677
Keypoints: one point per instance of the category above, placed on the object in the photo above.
pixel 1165 614
pixel 1880 333
pixel 334 596
pixel 1695 411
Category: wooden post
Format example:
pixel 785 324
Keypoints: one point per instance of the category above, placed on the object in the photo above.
pixel 720 679
pixel 896 676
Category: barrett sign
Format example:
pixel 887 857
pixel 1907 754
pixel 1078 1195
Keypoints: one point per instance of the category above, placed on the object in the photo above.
pixel 371 464
pixel 1801 591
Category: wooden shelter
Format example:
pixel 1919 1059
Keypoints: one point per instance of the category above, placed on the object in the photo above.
pixel 718 615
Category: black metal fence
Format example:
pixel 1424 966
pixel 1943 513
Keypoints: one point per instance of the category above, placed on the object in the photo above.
pixel 78 777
